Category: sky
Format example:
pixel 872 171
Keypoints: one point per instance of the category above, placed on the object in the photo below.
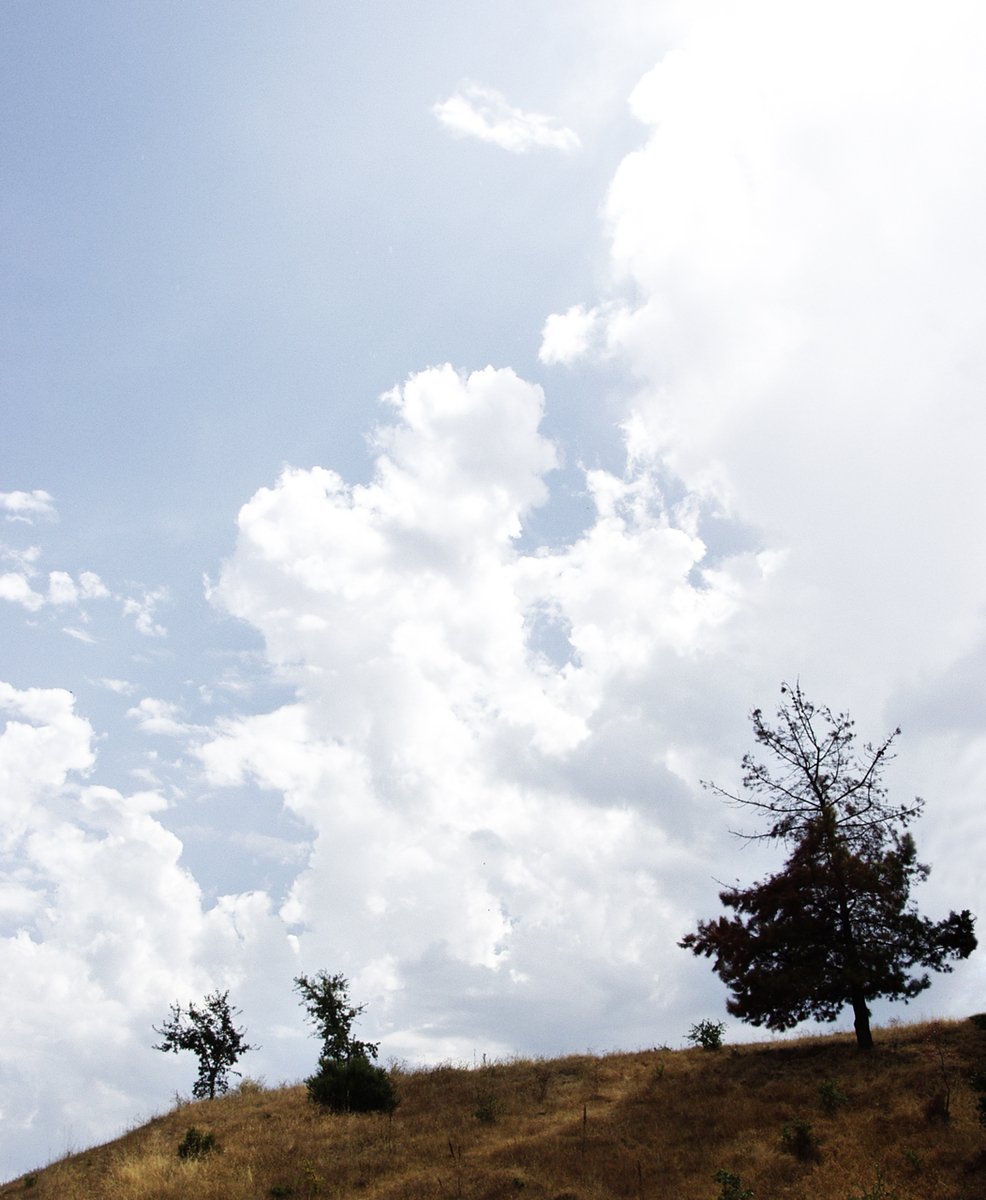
pixel 429 430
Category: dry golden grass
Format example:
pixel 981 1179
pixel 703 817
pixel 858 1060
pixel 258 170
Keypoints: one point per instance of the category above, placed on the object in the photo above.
pixel 649 1124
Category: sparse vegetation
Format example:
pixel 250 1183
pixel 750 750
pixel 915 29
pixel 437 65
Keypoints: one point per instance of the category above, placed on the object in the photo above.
pixel 798 1137
pixel 830 1097
pixel 207 1030
pixel 732 1187
pixel 654 1123
pixel 196 1144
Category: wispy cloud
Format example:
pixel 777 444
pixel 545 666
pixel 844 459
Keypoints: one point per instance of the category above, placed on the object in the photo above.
pixel 121 686
pixel 80 635
pixel 483 113
pixel 160 717
pixel 143 611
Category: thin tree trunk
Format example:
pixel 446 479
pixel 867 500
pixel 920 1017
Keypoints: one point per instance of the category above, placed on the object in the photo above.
pixel 864 1039
pixel 861 1013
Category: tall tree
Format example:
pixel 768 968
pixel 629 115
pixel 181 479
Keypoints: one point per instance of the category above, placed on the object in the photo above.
pixel 207 1030
pixel 836 925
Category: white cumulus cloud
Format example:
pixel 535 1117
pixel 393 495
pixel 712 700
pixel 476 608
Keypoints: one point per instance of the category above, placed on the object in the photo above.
pixel 17 589
pixel 28 506
pixel 470 822
pixel 101 928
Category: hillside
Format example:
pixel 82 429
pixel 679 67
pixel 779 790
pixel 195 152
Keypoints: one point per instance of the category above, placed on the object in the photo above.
pixel 655 1123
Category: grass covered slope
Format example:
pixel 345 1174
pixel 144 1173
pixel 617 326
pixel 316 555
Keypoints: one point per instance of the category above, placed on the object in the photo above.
pixel 812 1118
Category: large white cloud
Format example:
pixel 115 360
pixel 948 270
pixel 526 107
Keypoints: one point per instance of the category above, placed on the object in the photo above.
pixel 495 747
pixel 798 289
pixel 458 744
pixel 807 272
pixel 101 928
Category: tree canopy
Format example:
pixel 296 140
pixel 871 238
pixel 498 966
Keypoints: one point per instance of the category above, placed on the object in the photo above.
pixel 208 1031
pixel 836 925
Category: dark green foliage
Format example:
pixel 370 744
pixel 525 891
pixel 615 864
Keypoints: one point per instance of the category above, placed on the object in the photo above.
pixel 835 926
pixel 799 1138
pixel 914 1161
pixel 196 1144
pixel 830 1097
pixel 979 1020
pixel 346 1080
pixel 208 1031
pixel 732 1187
pixel 707 1034
pixel 326 999
pixel 487 1101
pixel 352 1085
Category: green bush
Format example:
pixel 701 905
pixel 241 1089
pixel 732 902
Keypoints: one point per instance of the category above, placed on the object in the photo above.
pixel 799 1138
pixel 196 1144
pixel 707 1034
pixel 352 1085
pixel 732 1187
pixel 830 1097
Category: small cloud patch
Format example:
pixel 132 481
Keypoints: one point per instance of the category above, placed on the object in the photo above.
pixel 483 113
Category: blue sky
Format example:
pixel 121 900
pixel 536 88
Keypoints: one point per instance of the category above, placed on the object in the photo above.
pixel 428 431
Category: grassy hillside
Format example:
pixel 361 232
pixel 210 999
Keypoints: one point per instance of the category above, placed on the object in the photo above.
pixel 808 1119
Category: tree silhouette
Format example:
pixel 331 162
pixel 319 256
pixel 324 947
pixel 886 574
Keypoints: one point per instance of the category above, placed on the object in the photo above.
pixel 836 925
pixel 326 999
pixel 208 1031
pixel 346 1079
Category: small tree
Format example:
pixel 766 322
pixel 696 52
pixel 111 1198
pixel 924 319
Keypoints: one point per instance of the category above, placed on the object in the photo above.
pixel 326 998
pixel 836 926
pixel 208 1031
pixel 346 1079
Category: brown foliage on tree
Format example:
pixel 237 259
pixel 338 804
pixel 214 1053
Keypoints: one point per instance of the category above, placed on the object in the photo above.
pixel 836 925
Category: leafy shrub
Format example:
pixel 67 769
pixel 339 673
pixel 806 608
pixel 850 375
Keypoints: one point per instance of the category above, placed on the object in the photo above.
pixel 352 1085
pixel 732 1187
pixel 707 1034
pixel 487 1106
pixel 830 1097
pixel 799 1138
pixel 196 1144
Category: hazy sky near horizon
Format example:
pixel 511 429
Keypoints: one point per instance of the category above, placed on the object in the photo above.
pixel 428 430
